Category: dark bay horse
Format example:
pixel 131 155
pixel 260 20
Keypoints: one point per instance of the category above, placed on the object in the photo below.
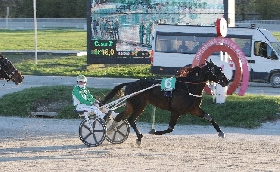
pixel 9 72
pixel 186 97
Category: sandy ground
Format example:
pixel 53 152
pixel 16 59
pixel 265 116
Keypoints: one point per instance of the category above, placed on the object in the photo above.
pixel 36 144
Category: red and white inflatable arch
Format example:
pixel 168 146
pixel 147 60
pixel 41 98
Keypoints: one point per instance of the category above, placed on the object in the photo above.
pixel 233 50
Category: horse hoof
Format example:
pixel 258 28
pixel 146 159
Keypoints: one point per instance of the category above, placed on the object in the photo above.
pixel 112 128
pixel 152 131
pixel 138 142
pixel 158 133
pixel 221 134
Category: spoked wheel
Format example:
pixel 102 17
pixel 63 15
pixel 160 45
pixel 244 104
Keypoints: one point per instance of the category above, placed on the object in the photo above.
pixel 120 132
pixel 96 137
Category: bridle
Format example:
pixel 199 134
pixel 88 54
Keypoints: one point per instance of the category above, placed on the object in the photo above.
pixel 190 82
pixel 213 71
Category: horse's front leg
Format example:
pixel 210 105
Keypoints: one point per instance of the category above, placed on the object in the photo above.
pixel 216 126
pixel 173 120
pixel 199 112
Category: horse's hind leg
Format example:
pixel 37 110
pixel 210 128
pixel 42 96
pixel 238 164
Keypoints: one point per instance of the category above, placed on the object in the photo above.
pixel 132 123
pixel 121 116
pixel 135 109
pixel 199 112
pixel 173 120
pixel 138 108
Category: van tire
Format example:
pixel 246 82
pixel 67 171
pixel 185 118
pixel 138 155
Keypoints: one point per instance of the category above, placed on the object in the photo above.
pixel 275 80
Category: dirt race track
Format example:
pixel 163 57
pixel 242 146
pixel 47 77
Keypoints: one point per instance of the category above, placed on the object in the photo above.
pixel 33 144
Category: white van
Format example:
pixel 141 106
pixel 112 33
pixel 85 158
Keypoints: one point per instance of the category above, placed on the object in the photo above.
pixel 175 46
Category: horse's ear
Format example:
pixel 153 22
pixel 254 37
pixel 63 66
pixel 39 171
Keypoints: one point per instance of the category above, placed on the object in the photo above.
pixel 211 61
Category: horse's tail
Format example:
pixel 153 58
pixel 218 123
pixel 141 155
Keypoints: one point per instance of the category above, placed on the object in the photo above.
pixel 113 92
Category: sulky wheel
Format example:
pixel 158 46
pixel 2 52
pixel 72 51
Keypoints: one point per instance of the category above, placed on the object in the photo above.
pixel 97 136
pixel 120 132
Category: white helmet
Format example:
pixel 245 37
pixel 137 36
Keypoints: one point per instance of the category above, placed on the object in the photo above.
pixel 81 78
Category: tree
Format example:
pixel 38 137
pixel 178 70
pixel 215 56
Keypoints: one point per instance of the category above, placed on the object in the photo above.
pixel 243 8
pixel 12 4
pixel 268 9
pixel 45 8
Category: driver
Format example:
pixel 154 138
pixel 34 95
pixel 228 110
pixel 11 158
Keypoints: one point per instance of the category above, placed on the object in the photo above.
pixel 84 101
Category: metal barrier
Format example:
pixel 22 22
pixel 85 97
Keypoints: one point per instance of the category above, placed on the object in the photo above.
pixel 271 25
pixel 81 23
pixel 43 23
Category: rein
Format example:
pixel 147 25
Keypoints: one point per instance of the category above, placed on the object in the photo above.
pixel 119 102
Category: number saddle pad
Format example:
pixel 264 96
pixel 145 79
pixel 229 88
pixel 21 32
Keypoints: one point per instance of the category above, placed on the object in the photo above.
pixel 168 84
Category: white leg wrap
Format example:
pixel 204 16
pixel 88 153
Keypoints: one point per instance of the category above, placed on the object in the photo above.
pixel 207 117
pixel 114 114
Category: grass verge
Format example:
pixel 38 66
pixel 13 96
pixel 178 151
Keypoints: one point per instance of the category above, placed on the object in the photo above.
pixel 248 111
pixel 73 66
pixel 58 39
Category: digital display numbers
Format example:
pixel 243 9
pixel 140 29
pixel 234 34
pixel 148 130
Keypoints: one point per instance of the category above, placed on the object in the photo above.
pixel 133 54
pixel 107 52
pixel 104 48
pixel 107 48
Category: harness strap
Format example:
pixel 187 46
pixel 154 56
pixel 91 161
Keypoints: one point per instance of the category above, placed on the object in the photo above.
pixel 195 95
pixel 195 82
pixel 188 92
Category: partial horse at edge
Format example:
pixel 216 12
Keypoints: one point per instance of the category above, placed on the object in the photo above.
pixel 9 72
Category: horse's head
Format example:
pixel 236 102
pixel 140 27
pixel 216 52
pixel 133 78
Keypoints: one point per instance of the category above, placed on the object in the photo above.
pixel 215 74
pixel 17 77
pixel 9 72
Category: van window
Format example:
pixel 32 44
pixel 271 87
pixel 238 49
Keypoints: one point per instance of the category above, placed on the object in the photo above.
pixel 276 46
pixel 179 43
pixel 260 49
pixel 264 50
pixel 189 44
pixel 244 44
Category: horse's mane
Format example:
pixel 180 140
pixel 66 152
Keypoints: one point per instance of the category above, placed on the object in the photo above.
pixel 184 71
